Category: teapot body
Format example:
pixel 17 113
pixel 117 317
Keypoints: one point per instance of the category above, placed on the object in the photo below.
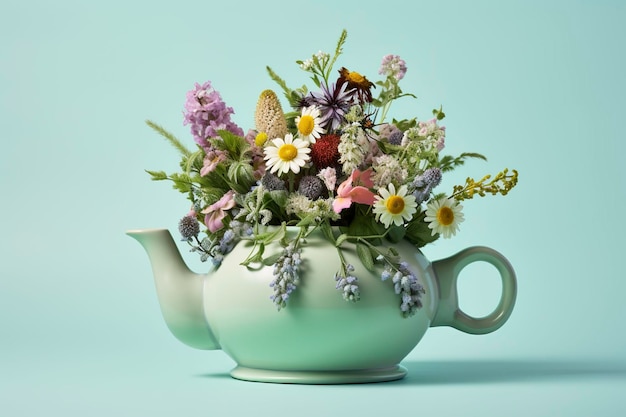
pixel 317 337
pixel 318 330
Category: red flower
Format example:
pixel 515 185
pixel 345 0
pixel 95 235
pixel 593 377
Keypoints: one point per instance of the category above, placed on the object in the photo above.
pixel 324 152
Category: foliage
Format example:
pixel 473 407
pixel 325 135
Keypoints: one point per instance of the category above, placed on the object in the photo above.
pixel 332 162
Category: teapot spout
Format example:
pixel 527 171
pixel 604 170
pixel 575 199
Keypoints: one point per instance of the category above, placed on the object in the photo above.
pixel 180 291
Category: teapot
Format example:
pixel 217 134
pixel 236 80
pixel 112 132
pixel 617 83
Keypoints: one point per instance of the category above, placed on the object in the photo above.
pixel 318 338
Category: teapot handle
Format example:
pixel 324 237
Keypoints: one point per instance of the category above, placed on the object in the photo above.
pixel 448 312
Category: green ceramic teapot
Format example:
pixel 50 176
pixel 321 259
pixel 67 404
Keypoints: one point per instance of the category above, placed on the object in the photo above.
pixel 319 338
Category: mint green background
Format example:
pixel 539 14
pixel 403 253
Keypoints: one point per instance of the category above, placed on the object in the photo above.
pixel 535 85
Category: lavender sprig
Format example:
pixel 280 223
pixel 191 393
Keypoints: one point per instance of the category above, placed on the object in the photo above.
pixel 406 285
pixel 347 283
pixel 286 278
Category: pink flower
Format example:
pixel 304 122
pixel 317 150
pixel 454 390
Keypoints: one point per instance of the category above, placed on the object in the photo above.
pixel 350 192
pixel 217 211
pixel 211 160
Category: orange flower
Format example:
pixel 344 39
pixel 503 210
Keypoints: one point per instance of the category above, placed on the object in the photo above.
pixel 357 81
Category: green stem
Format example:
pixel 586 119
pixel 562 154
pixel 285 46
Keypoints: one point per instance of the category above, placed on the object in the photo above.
pixel 380 253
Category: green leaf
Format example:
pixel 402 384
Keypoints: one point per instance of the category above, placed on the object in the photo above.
pixel 182 182
pixel 311 219
pixel 418 232
pixel 396 233
pixel 235 145
pixel 277 234
pixel 240 176
pixel 157 175
pixel 189 162
pixel 366 226
pixel 279 197
pixel 255 255
pixel 365 255
pixel 271 260
pixel 448 163
pixel 438 113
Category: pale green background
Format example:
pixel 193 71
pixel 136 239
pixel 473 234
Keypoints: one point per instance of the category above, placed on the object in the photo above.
pixel 537 86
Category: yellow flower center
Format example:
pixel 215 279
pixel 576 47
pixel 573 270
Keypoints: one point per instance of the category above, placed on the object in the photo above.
pixel 445 216
pixel 355 77
pixel 260 139
pixel 287 152
pixel 395 204
pixel 306 125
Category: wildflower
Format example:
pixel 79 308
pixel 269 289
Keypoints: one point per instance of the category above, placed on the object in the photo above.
pixel 393 66
pixel 350 192
pixel 348 284
pixel 260 139
pixel 188 227
pixel 236 230
pixel 311 187
pixel 272 183
pixel 308 124
pixel 303 207
pixel 425 183
pixel 212 159
pixel 207 113
pixel 353 147
pixel 215 213
pixel 329 176
pixel 395 138
pixel 358 83
pixel 322 56
pixel 394 207
pixel 406 285
pixel 269 117
pixel 387 169
pixel 307 64
pixel 443 216
pixel 430 135
pixel 325 152
pixel 387 130
pixel 256 154
pixel 334 101
pixel 286 276
pixel 289 154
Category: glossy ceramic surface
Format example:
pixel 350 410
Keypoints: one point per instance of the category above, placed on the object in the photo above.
pixel 318 337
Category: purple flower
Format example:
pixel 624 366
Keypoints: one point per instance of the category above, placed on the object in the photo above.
pixel 348 284
pixel 333 103
pixel 286 278
pixel 207 113
pixel 393 66
pixel 425 183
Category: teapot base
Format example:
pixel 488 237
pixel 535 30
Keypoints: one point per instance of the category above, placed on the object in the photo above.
pixel 358 376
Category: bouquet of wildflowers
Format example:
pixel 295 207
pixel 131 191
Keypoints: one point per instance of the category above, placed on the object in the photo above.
pixel 333 162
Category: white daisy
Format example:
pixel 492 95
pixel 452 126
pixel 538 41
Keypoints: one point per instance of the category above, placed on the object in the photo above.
pixel 444 216
pixel 308 124
pixel 286 155
pixel 394 207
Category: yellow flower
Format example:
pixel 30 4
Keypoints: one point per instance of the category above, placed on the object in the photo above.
pixel 260 139
pixel 359 82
